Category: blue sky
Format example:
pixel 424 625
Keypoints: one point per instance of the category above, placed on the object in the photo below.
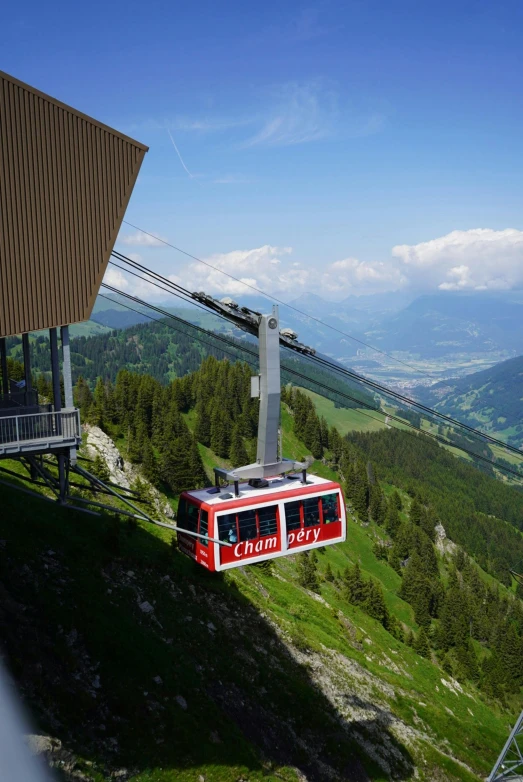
pixel 337 147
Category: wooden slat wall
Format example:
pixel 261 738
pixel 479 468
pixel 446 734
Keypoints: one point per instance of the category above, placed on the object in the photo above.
pixel 65 182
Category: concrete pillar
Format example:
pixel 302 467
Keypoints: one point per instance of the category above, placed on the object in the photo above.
pixel 3 366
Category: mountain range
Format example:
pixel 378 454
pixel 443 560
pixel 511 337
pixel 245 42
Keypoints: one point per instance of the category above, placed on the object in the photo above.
pixel 455 331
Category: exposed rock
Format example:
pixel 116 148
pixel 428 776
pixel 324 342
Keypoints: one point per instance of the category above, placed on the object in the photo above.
pixel 453 686
pixel 146 607
pixel 180 700
pixel 442 543
pixel 99 443
pixel 124 474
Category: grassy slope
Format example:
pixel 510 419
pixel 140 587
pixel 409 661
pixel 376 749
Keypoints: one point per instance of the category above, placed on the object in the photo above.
pixel 222 643
pixel 230 672
pixel 344 420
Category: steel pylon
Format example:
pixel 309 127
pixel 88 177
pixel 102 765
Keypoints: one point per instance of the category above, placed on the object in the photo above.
pixel 509 765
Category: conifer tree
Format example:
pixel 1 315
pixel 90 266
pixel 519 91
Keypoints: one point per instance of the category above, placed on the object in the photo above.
pixel 329 575
pixel 355 586
pixel 395 499
pixel 392 520
pixel 220 441
pixel 237 454
pixel 202 428
pixel 492 676
pixel 335 444
pixel 416 590
pixel 358 491
pixel 473 672
pixel 374 603
pixel 97 411
pixel 421 644
pixel 511 655
pixel 377 507
pixel 307 572
pixel 196 468
pixel 415 512
pixel 83 397
pixel 150 463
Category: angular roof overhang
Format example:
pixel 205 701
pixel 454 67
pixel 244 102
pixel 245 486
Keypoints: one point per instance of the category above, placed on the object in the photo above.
pixel 65 182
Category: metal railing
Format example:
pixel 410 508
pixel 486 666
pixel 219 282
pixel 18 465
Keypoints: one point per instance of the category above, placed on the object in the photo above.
pixel 20 429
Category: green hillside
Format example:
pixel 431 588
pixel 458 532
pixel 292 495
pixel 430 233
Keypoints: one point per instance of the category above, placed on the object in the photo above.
pixel 491 400
pixel 383 657
pixel 246 676
pixel 344 420
pixel 167 349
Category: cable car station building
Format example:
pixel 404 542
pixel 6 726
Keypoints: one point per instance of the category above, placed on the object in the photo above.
pixel 65 182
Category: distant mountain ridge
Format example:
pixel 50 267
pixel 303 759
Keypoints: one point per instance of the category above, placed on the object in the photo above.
pixel 440 324
pixel 447 327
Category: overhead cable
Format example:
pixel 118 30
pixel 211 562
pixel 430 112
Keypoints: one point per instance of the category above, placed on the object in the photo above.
pixel 342 370
pixel 322 385
pixel 279 301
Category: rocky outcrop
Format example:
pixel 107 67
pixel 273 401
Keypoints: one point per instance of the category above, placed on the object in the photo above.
pixel 122 473
pixel 99 443
pixel 442 543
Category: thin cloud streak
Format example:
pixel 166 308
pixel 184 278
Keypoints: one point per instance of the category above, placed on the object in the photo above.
pixel 178 153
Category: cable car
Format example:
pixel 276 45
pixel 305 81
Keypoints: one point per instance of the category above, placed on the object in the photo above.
pixel 273 511
pixel 268 519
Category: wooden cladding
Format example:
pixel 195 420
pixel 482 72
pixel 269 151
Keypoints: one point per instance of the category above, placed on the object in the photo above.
pixel 65 182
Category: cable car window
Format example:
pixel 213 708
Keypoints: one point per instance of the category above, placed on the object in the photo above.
pixel 247 525
pixel 329 505
pixel 267 520
pixel 181 513
pixel 292 514
pixel 191 518
pixel 311 512
pixel 227 527
pixel 204 526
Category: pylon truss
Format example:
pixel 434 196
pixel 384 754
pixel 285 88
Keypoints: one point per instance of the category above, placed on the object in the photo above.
pixel 509 765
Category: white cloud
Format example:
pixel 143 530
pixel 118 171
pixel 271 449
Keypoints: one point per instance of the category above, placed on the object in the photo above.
pixel 477 259
pixel 267 268
pixel 351 275
pixel 140 239
pixel 116 279
pixel 130 283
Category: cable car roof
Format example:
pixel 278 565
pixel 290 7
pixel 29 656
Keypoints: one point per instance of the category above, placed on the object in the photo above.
pixel 276 485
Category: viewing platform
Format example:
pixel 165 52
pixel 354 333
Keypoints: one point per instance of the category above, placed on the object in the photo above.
pixel 37 428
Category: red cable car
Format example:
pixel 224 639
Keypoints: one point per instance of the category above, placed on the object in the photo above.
pixel 272 511
pixel 268 519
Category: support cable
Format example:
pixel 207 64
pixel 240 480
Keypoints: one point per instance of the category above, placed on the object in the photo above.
pixel 354 376
pixel 279 301
pixel 390 416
